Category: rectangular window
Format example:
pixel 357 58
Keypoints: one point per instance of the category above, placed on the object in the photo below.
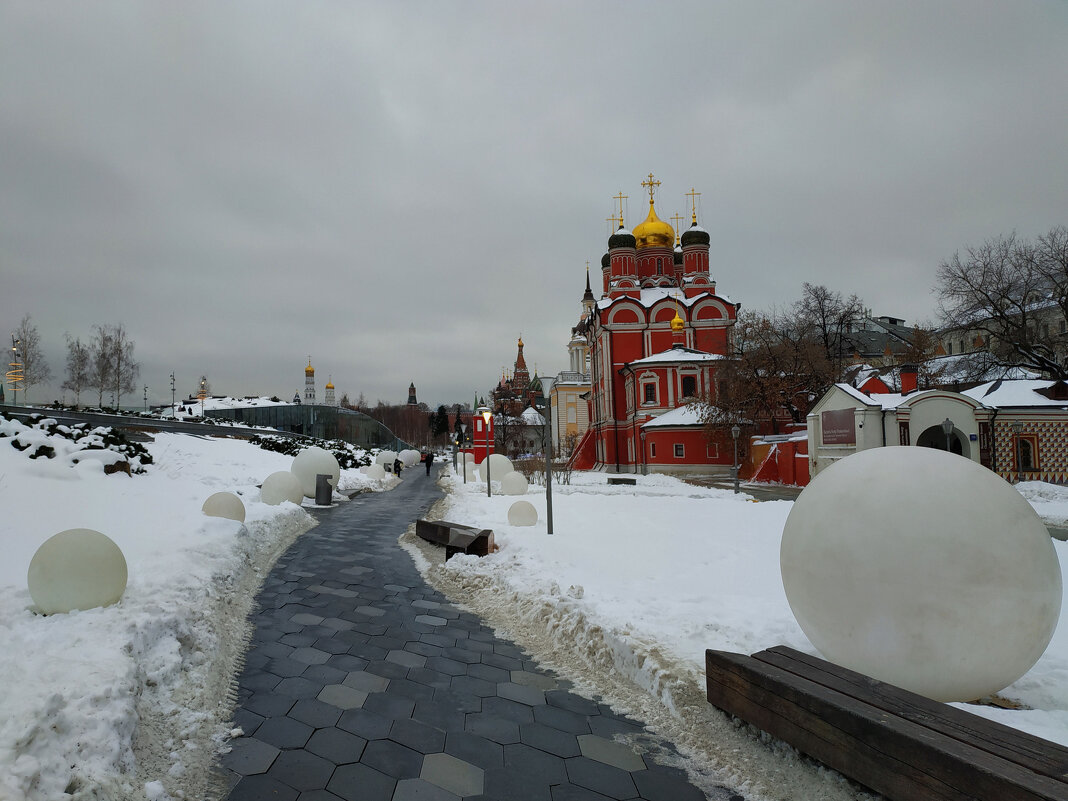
pixel 652 449
pixel 949 348
pixel 689 386
pixel 650 393
pixel 680 450
pixel 712 452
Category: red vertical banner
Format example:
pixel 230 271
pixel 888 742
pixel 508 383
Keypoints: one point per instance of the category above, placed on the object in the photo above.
pixel 984 445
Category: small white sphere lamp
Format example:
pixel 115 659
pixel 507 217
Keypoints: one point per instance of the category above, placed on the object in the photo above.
pixel 410 457
pixel 312 462
pixel 522 513
pixel 224 504
pixel 923 569
pixel 514 483
pixel 76 569
pixel 386 457
pixel 375 472
pixel 281 486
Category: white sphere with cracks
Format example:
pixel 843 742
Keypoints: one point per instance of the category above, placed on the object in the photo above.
pixel 514 483
pixel 224 504
pixel 922 569
pixel 76 569
pixel 522 513
pixel 312 462
pixel 281 486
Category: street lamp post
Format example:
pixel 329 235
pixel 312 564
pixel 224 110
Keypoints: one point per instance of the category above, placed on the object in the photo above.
pixel 735 431
pixel 547 443
pixel 146 397
pixel 947 429
pixel 173 414
pixel 486 415
pixel 645 455
pixel 1017 428
pixel 463 438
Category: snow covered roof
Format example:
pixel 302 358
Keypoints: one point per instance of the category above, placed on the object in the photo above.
pixel 1001 394
pixel 650 297
pixel 688 415
pixel 672 355
pixel 531 417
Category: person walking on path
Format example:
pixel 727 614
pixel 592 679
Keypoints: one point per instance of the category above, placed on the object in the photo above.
pixel 397 467
pixel 429 459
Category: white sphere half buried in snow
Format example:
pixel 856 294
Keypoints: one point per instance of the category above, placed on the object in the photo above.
pixel 311 462
pixel 76 569
pixel 522 513
pixel 471 472
pixel 499 466
pixel 386 457
pixel 410 457
pixel 224 504
pixel 922 569
pixel 375 472
pixel 514 483
pixel 281 486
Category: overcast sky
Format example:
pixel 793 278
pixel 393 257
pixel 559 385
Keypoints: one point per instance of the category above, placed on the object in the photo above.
pixel 399 190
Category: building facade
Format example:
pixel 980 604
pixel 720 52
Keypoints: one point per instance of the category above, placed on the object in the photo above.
pixel 655 339
pixel 570 388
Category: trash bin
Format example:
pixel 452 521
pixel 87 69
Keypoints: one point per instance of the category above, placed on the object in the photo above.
pixel 324 493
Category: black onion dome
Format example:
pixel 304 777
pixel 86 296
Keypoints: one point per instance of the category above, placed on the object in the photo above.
pixel 678 255
pixel 622 238
pixel 695 235
pixel 605 261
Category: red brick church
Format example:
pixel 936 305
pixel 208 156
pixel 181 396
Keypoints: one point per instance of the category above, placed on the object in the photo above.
pixel 656 337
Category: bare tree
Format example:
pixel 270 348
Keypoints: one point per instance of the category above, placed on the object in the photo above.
pixel 126 369
pixel 35 369
pixel 100 363
pixel 78 360
pixel 826 316
pixel 1013 295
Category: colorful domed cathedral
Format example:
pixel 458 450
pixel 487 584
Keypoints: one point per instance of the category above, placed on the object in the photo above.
pixel 656 338
pixel 516 392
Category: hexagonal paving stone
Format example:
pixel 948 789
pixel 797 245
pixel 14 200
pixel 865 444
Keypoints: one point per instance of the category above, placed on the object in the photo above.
pixel 302 770
pixel 417 736
pixel 366 724
pixel 361 783
pixel 338 746
pixel 314 712
pixel 342 697
pixel 367 682
pixel 452 774
pixel 256 788
pixel 609 752
pixel 528 679
pixel 310 656
pixel 249 756
pixel 284 732
pixel 531 696
pixel 431 620
pixel 392 759
pixel 601 778
pixel 406 659
pixel 306 619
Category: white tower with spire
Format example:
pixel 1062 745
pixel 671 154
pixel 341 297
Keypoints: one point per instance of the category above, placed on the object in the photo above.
pixel 309 383
pixel 330 392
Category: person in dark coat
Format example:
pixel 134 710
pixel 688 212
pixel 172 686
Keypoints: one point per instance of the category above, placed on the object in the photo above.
pixel 429 459
pixel 397 467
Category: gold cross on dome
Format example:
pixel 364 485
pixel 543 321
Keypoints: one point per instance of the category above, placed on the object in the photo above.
pixel 677 219
pixel 619 199
pixel 693 194
pixel 652 184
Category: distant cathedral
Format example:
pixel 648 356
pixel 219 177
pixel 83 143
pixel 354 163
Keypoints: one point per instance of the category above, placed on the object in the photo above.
pixel 411 395
pixel 309 383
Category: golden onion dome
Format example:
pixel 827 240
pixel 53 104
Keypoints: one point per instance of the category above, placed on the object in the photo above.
pixel 677 323
pixel 329 384
pixel 309 370
pixel 654 232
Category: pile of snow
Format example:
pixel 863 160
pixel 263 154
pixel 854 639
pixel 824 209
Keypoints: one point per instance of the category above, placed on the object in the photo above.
pixel 193 407
pixel 641 580
pixel 117 701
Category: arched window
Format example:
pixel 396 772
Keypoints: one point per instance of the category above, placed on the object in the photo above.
pixel 689 386
pixel 1025 454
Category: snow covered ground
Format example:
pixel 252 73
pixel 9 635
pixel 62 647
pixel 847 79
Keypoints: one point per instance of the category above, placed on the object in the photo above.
pixel 645 578
pixel 129 702
pixel 123 702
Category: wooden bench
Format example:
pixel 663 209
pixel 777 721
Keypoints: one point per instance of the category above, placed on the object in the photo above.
pixel 622 480
pixel 900 744
pixel 456 537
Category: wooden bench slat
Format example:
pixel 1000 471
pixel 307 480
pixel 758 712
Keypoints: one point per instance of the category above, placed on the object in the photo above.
pixel 1034 753
pixel 899 758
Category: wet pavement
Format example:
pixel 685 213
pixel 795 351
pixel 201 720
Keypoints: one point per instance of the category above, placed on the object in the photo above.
pixel 364 683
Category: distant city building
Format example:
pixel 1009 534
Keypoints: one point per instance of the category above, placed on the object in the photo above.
pixel 567 397
pixel 330 401
pixel 411 395
pixel 309 384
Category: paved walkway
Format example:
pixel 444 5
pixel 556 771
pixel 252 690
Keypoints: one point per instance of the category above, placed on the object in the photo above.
pixel 363 683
